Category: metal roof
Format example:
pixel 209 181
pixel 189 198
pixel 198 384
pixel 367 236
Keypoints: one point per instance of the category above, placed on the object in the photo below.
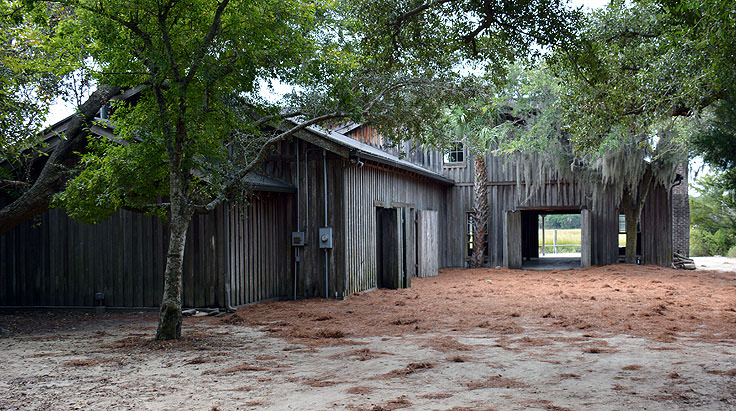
pixel 259 182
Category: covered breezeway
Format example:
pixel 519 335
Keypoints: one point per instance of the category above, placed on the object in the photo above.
pixel 522 240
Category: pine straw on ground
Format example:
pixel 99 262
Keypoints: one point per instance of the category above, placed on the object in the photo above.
pixel 657 303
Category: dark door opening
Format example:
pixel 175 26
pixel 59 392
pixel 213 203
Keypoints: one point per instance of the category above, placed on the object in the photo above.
pixel 391 248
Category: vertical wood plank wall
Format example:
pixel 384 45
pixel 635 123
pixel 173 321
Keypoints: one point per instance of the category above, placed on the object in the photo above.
pixel 363 187
pixel 53 261
pixel 310 275
pixel 259 254
pixel 504 194
pixel 656 227
pixel 427 243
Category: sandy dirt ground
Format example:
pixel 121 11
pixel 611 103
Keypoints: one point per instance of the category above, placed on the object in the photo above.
pixel 717 263
pixel 606 338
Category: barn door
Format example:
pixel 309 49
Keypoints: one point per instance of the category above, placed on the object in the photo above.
pixel 410 244
pixel 512 239
pixel 391 244
pixel 427 243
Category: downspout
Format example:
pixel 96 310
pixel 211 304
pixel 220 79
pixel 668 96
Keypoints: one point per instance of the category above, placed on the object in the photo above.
pixel 327 261
pixel 306 187
pixel 228 299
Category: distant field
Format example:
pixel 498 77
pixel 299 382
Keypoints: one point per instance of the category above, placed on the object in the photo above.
pixel 569 236
pixel 564 237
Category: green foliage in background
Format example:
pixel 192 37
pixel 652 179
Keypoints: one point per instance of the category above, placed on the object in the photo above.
pixel 715 140
pixel 638 63
pixel 37 63
pixel 712 217
pixel 562 221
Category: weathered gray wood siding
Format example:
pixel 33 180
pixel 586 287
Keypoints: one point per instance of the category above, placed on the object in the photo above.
pixel 656 227
pixel 604 230
pixel 259 254
pixel 429 159
pixel 427 243
pixel 311 268
pixel 56 262
pixel 504 194
pixel 364 188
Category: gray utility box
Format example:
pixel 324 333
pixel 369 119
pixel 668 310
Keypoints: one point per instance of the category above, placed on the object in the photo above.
pixel 298 239
pixel 325 237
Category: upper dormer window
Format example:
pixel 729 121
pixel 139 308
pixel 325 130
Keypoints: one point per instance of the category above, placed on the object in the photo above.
pixel 455 153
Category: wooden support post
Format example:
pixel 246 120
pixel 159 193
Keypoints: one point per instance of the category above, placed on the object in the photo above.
pixel 586 239
pixel 543 240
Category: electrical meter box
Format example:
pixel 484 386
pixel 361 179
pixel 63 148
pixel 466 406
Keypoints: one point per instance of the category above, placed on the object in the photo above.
pixel 297 239
pixel 325 237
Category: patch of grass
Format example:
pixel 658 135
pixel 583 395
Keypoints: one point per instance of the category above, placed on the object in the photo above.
pixel 359 390
pixel 438 396
pixel 728 373
pixel 565 237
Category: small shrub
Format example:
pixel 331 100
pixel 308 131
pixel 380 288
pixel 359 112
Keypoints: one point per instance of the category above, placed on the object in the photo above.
pixel 732 252
pixel 701 243
pixel 722 241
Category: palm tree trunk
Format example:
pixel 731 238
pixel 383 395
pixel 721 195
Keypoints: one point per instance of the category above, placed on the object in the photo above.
pixel 480 212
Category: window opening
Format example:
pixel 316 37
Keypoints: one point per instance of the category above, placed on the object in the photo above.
pixel 456 153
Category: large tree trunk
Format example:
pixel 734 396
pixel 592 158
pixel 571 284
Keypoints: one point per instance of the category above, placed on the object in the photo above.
pixel 480 212
pixel 54 175
pixel 169 321
pixel 632 208
pixel 180 214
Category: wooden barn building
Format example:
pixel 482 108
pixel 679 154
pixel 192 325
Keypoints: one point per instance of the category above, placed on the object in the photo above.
pixel 333 213
pixel 513 228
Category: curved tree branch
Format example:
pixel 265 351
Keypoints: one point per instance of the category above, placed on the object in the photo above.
pixel 53 176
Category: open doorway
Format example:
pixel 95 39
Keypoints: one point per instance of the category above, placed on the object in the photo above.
pixel 395 247
pixel 387 247
pixel 622 239
pixel 552 239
